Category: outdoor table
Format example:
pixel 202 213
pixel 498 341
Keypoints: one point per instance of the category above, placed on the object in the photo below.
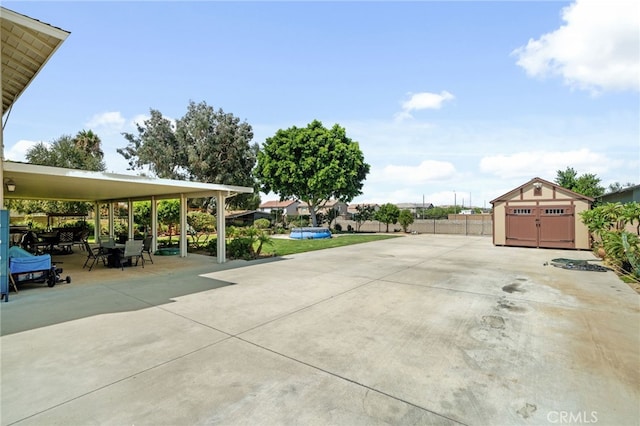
pixel 47 239
pixel 115 251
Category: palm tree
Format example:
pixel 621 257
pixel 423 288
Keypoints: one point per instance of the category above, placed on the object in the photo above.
pixel 89 142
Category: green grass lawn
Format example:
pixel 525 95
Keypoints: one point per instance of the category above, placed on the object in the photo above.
pixel 283 247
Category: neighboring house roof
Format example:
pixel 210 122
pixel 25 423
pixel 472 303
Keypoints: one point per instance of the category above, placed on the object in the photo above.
pixel 277 204
pixel 353 208
pixel 246 213
pixel 328 204
pixel 572 194
pixel 625 195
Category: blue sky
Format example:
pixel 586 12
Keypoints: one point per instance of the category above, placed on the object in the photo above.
pixel 448 100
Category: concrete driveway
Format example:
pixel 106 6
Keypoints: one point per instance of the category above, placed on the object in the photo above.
pixel 424 329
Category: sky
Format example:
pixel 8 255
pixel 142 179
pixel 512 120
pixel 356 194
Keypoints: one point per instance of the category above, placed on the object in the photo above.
pixel 450 101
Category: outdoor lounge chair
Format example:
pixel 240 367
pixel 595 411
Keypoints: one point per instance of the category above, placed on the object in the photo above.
pixel 94 254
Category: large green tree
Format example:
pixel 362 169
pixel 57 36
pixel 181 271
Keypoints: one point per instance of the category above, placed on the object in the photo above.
pixel 313 164
pixel 206 145
pixel 586 184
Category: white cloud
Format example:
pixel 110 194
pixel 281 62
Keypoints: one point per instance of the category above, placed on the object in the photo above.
pixel 426 171
pixel 544 163
pixel 597 49
pixel 423 100
pixel 138 120
pixel 107 122
pixel 18 152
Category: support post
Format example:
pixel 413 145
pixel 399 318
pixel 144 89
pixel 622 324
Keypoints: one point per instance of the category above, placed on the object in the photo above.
pixel 183 225
pixel 220 228
pixel 130 218
pixel 111 219
pixel 154 224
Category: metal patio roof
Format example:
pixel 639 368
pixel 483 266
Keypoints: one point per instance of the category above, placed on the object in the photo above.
pixel 55 183
pixel 27 45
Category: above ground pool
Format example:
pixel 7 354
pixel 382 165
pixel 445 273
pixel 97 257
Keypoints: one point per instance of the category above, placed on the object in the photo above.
pixel 311 233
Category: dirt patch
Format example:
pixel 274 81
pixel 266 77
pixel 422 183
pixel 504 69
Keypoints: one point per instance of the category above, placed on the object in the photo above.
pixel 634 285
pixel 578 265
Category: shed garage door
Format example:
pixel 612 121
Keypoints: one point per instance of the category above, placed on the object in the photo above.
pixel 541 226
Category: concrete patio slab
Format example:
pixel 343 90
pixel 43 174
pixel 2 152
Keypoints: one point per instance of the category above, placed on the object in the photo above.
pixel 424 329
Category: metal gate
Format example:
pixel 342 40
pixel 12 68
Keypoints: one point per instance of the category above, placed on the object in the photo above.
pixel 541 226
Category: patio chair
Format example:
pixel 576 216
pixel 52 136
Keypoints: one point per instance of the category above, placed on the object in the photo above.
pixel 80 237
pixel 94 254
pixel 132 249
pixel 146 246
pixel 65 241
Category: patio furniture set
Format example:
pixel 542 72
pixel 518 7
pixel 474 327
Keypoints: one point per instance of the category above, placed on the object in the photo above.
pixel 113 254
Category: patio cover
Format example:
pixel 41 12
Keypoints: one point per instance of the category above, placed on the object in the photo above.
pixel 33 182
pixel 27 45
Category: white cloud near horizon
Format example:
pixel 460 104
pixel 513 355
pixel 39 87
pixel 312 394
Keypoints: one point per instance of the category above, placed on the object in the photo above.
pixel 597 49
pixel 544 163
pixel 18 152
pixel 426 171
pixel 107 122
pixel 423 100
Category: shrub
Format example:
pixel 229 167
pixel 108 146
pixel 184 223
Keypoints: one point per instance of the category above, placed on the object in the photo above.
pixel 212 246
pixel 606 224
pixel 240 248
pixel 262 223
pixel 338 227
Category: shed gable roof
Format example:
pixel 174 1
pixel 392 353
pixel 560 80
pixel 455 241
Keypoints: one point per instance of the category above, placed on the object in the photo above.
pixel 568 192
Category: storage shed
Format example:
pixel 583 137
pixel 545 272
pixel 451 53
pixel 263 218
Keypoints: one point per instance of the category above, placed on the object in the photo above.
pixel 541 214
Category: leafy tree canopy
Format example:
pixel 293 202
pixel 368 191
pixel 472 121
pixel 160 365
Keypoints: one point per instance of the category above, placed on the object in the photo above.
pixel 617 187
pixel 364 212
pixel 405 218
pixel 586 184
pixel 206 145
pixel 388 213
pixel 313 164
pixel 82 151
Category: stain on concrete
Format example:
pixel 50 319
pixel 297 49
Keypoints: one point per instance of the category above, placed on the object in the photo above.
pixel 493 321
pixel 527 411
pixel 510 306
pixel 511 288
